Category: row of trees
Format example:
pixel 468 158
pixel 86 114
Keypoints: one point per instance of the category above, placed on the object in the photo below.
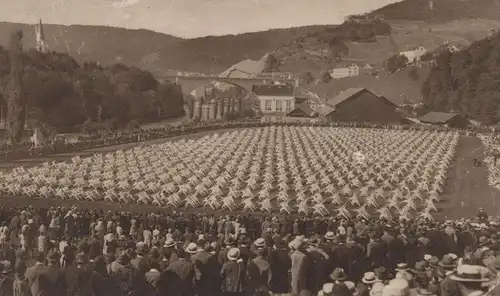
pixel 58 91
pixel 467 81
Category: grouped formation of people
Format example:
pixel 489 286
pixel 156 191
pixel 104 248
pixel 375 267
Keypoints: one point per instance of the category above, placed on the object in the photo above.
pixel 79 252
pixel 105 138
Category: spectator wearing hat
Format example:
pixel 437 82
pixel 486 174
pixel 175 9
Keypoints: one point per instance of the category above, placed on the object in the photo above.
pixel 154 280
pixel 469 279
pixel 357 260
pixel 375 251
pixel 319 266
pixel 402 271
pixel 233 273
pixel 206 270
pixel 180 274
pixel 6 279
pixel 447 286
pixel 364 287
pixel 33 273
pixel 259 270
pixel 78 277
pixel 141 261
pixel 396 287
pixel 280 265
pixel 51 278
pixel 229 243
pixel 299 268
pixel 129 280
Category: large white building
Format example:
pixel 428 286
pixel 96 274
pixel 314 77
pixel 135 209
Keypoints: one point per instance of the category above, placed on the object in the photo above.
pixel 415 55
pixel 351 70
pixel 275 99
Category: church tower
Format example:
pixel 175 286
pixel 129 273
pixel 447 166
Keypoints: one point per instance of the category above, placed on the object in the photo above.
pixel 41 46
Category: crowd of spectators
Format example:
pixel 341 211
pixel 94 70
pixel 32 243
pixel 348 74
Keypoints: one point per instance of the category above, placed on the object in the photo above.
pixel 101 139
pixel 77 252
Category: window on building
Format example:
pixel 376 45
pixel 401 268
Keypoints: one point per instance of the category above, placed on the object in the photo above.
pixel 267 105
pixel 279 106
pixel 288 106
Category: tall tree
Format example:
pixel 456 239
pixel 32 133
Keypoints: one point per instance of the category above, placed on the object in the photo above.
pixel 14 92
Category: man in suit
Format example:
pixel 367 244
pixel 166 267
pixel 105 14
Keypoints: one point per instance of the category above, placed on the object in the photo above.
pixel 52 279
pixel 205 267
pixel 78 277
pixel 33 274
pixel 141 262
pixel 180 276
pixel 299 268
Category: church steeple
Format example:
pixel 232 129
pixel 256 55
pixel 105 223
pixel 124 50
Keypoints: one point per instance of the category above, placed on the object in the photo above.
pixel 41 46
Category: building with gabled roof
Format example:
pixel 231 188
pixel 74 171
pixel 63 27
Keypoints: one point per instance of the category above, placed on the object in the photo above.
pixel 445 118
pixel 362 105
pixel 276 98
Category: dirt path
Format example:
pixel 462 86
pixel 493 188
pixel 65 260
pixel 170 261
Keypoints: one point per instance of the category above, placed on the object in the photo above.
pixel 467 187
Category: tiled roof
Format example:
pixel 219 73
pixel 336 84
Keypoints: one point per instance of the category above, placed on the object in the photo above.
pixel 437 117
pixel 323 110
pixel 273 90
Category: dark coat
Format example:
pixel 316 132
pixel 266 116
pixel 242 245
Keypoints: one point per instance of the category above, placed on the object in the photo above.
pixel 233 276
pixel 180 276
pixel 280 268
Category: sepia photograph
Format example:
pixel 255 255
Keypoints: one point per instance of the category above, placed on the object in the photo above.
pixel 249 148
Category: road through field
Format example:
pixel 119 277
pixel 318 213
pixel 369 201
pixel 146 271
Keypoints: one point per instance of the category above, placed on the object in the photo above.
pixel 467 188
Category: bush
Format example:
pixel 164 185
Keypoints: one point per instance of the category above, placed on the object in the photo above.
pixel 396 62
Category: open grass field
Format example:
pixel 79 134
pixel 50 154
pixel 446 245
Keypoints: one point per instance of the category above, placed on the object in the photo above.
pixel 465 187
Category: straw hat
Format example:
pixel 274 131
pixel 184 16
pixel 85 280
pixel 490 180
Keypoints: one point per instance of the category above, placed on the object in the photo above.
pixel 169 242
pixel 260 243
pixel 233 254
pixel 296 244
pixel 192 248
pixel 377 289
pixel 396 287
pixel 402 266
pixel 338 274
pixel 468 273
pixel 369 278
pixel 330 235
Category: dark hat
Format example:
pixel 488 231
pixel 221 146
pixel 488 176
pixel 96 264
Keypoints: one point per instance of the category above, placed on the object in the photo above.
pixel 141 249
pixel 421 267
pixel 338 274
pixel 447 262
pixel 229 240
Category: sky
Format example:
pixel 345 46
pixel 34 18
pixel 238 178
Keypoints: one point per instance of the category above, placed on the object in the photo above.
pixel 187 18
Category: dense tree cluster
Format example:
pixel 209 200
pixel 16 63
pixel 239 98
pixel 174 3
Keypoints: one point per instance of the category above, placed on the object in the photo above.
pixel 356 30
pixel 396 62
pixel 66 95
pixel 467 81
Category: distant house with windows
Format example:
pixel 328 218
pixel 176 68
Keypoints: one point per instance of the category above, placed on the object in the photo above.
pixel 275 99
pixel 351 70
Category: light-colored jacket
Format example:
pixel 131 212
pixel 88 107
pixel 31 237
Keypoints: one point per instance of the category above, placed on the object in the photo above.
pixel 298 270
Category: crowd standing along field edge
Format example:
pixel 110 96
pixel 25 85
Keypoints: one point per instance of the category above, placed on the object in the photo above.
pixel 342 172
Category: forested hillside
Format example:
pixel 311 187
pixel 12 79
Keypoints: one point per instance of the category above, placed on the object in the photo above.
pixel 65 94
pixel 467 81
